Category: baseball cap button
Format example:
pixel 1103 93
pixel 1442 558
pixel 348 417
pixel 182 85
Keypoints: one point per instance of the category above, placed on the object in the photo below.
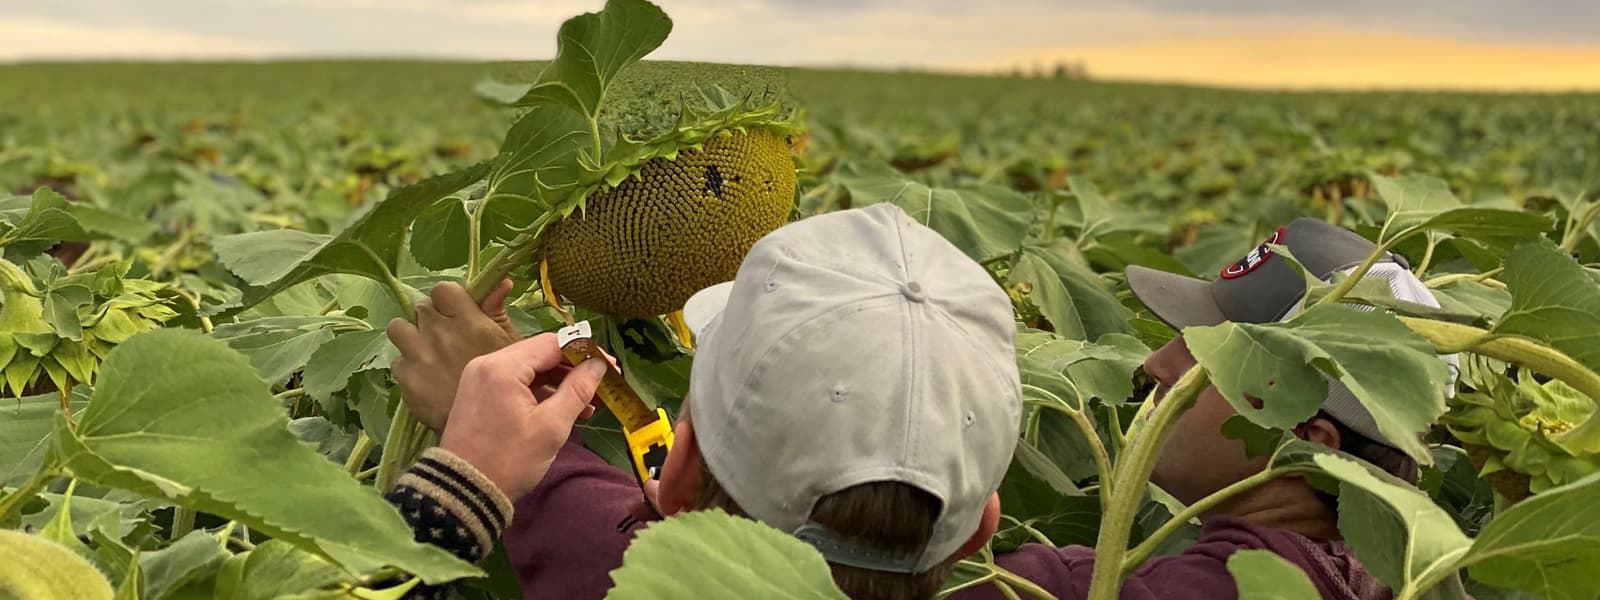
pixel 913 291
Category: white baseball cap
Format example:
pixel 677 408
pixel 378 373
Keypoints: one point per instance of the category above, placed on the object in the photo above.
pixel 853 347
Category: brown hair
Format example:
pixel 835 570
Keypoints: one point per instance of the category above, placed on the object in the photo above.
pixel 889 515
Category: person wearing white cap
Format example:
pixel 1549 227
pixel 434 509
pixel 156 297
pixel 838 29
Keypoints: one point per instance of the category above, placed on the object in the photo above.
pixel 855 386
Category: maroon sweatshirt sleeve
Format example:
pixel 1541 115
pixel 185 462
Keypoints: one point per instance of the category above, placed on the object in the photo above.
pixel 563 540
pixel 1200 571
pixel 1065 573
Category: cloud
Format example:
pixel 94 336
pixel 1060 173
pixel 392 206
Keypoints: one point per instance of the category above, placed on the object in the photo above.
pixel 898 33
pixel 1481 20
pixel 1543 21
pixel 448 29
pixel 1224 41
pixel 891 34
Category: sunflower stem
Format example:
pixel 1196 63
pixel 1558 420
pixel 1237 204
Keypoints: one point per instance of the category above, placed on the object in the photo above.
pixel 1102 460
pixel 1016 581
pixel 395 444
pixel 13 502
pixel 1486 278
pixel 1575 234
pixel 1148 547
pixel 1132 477
pixel 358 455
pixel 518 250
pixel 1427 257
pixel 474 239
pixel 1454 337
pixel 182 522
pixel 1338 293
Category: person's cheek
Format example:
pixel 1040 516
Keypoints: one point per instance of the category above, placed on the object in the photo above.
pixel 1201 462
pixel 1176 467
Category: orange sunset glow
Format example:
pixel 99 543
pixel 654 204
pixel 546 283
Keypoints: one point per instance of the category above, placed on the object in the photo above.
pixel 1333 58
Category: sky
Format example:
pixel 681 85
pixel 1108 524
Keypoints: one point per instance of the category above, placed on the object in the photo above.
pixel 1359 44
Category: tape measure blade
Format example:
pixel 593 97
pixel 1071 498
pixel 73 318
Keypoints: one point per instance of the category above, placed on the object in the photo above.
pixel 577 346
pixel 629 409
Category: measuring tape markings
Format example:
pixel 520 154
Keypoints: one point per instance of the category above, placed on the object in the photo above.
pixel 648 433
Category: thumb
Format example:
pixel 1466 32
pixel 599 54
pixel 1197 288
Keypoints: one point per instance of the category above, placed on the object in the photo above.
pixel 652 491
pixel 494 304
pixel 647 508
pixel 573 397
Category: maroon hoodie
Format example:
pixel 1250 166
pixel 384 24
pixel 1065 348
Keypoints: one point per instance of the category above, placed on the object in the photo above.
pixel 563 542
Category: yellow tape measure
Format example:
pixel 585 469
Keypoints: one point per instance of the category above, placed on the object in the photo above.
pixel 649 433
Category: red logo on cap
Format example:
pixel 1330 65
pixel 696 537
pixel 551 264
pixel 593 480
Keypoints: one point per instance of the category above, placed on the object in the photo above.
pixel 1254 259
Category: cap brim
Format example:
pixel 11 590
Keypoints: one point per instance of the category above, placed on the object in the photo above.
pixel 1177 300
pixel 704 306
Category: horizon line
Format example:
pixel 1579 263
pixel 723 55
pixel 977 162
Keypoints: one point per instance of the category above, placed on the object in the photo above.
pixel 998 73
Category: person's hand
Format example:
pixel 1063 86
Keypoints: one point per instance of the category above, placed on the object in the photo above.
pixel 506 423
pixel 450 330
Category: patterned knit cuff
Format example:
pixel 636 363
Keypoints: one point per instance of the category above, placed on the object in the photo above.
pixel 452 505
pixel 473 482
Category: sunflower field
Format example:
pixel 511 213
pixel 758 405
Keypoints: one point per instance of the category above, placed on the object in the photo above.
pixel 199 260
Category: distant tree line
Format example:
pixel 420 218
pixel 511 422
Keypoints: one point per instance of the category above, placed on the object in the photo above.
pixel 1062 69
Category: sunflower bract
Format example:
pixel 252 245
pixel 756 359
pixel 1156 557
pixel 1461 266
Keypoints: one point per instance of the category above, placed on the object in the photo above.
pixel 679 225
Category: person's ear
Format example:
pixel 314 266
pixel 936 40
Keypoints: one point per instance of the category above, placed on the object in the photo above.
pixel 988 523
pixel 1319 430
pixel 680 476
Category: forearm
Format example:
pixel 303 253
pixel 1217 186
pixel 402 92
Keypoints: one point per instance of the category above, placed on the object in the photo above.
pixel 451 505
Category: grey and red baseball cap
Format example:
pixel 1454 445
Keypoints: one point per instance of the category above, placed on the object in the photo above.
pixel 1263 287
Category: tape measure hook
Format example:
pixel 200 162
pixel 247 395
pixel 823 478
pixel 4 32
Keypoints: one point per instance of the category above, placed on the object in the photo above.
pixel 576 331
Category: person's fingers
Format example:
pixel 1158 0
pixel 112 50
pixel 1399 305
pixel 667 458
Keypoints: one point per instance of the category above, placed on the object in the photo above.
pixel 400 369
pixel 542 394
pixel 410 393
pixel 427 316
pixel 550 379
pixel 479 331
pixel 425 407
pixel 494 304
pixel 646 508
pixel 652 492
pixel 575 394
pixel 545 384
pixel 523 360
pixel 451 300
pixel 611 359
pixel 404 335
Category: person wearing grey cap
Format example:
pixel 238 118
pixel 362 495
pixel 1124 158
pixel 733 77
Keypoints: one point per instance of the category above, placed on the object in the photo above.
pixel 855 386
pixel 1285 516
